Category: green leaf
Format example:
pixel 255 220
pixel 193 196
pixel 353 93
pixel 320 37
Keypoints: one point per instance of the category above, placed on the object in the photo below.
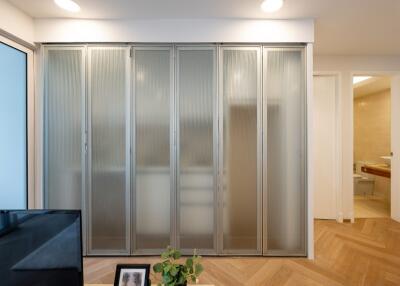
pixel 158 267
pixel 198 269
pixel 167 268
pixel 167 279
pixel 174 273
pixel 189 262
pixel 176 254
pixel 174 270
pixel 165 255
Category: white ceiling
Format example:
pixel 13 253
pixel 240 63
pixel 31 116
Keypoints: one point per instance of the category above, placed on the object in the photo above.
pixel 342 27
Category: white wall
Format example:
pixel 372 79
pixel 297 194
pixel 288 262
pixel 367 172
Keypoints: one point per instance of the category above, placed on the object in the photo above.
pixel 16 23
pixel 346 66
pixel 176 31
pixel 357 63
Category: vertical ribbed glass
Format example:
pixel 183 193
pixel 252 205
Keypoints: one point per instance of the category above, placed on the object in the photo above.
pixel 240 194
pixel 152 148
pixel 196 94
pixel 108 197
pixel 63 131
pixel 284 87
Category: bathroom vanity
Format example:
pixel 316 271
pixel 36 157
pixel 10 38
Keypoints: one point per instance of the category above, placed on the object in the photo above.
pixel 381 170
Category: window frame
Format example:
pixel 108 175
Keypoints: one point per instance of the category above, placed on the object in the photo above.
pixel 30 120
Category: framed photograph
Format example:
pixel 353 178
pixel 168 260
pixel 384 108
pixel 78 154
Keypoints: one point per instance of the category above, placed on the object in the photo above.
pixel 132 275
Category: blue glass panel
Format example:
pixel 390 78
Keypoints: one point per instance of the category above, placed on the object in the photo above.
pixel 12 128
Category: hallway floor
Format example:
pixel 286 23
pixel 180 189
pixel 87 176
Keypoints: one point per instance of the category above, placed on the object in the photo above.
pixel 364 253
pixel 370 206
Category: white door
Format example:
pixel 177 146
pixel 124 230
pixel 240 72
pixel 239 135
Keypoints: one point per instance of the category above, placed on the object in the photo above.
pixel 325 138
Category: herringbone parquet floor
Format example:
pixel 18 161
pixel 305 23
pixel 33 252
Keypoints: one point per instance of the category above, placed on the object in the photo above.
pixel 364 253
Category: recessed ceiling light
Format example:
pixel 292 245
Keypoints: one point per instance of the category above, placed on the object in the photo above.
pixel 270 6
pixel 358 79
pixel 68 5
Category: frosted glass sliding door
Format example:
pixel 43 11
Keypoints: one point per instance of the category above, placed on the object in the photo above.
pixel 108 199
pixel 13 130
pixel 196 97
pixel 64 127
pixel 241 194
pixel 152 187
pixel 284 151
pixel 193 146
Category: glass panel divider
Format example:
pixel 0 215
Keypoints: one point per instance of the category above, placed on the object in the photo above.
pixel 184 120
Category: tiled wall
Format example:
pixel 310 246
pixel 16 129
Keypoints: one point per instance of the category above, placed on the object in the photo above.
pixel 372 115
pixel 372 127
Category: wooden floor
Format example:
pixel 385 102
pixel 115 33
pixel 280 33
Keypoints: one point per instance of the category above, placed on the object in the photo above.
pixel 370 206
pixel 364 253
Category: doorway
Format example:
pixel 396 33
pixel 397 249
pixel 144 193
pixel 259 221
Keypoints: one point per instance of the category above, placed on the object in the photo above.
pixel 372 146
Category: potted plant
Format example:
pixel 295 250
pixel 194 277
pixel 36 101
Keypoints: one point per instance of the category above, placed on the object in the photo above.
pixel 176 274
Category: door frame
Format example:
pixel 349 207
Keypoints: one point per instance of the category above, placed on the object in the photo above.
pixel 135 251
pixel 337 144
pixel 346 142
pixel 177 96
pixel 221 151
pixel 395 139
pixel 88 149
pixel 42 91
pixel 308 163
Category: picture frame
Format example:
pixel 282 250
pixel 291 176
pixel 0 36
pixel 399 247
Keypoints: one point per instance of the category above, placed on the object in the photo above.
pixel 132 275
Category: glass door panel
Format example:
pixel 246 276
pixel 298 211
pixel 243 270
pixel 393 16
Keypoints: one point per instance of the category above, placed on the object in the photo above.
pixel 64 128
pixel 13 110
pixel 153 71
pixel 196 96
pixel 108 81
pixel 176 138
pixel 285 156
pixel 241 146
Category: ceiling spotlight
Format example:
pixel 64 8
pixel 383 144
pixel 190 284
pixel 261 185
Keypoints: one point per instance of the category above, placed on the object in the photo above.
pixel 270 6
pixel 68 5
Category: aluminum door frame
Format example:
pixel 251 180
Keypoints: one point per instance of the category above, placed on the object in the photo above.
pixel 218 121
pixel 81 48
pixel 265 50
pixel 196 47
pixel 258 250
pixel 172 131
pixel 90 250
